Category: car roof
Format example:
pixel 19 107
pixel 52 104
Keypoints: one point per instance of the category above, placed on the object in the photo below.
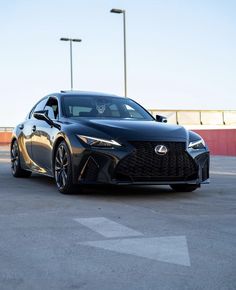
pixel 86 93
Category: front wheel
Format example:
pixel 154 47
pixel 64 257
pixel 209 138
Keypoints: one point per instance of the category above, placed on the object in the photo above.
pixel 63 169
pixel 16 169
pixel 184 187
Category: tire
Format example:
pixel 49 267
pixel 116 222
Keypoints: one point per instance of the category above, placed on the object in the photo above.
pixel 184 187
pixel 16 169
pixel 63 169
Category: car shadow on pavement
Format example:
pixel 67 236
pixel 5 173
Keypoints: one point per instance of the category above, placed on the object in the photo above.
pixel 130 192
pixel 113 191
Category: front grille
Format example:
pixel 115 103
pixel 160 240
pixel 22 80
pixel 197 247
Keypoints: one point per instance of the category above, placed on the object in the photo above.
pixel 145 165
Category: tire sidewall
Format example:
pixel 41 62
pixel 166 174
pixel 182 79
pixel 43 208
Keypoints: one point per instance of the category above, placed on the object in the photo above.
pixel 68 188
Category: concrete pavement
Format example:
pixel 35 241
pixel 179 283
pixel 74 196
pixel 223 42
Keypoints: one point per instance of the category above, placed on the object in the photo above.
pixel 117 238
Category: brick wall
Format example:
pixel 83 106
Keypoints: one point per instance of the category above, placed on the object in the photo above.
pixel 220 141
pixel 5 137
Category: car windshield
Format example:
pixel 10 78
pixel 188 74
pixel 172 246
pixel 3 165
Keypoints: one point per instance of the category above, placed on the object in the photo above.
pixel 103 107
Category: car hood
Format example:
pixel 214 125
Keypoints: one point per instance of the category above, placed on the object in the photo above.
pixel 131 130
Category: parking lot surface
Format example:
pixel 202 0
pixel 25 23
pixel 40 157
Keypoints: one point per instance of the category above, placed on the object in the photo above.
pixel 117 237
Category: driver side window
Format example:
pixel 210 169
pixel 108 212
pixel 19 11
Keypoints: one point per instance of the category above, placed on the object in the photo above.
pixel 52 108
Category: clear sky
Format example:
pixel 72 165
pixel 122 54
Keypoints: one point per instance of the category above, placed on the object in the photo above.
pixel 181 54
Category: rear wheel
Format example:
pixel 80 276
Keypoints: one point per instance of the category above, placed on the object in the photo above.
pixel 63 169
pixel 184 187
pixel 16 169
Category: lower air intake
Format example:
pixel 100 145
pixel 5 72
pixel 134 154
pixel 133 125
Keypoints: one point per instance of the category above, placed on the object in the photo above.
pixel 145 165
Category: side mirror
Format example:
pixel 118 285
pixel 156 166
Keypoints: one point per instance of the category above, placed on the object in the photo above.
pixel 43 115
pixel 161 119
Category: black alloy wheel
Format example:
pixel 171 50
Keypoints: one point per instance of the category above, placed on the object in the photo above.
pixel 63 169
pixel 184 187
pixel 16 169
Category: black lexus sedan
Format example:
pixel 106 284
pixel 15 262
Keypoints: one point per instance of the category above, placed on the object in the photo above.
pixel 94 138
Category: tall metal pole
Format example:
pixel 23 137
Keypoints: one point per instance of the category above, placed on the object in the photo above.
pixel 71 66
pixel 125 65
pixel 71 56
pixel 122 11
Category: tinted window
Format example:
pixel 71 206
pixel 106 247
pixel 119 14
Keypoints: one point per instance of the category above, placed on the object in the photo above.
pixel 103 107
pixel 52 108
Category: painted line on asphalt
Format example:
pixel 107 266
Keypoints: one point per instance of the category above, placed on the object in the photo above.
pixel 223 173
pixel 172 249
pixel 4 160
pixel 107 228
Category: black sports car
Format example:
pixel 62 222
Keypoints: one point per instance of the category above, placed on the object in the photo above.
pixel 93 138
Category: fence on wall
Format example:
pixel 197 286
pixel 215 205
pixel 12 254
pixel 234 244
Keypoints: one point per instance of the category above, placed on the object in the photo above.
pixel 6 129
pixel 198 117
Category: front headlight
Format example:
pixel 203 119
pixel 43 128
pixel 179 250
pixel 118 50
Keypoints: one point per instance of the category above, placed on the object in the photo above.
pixel 197 144
pixel 98 142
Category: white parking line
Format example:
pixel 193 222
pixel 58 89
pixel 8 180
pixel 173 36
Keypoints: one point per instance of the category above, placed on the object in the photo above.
pixel 222 173
pixel 108 228
pixel 4 160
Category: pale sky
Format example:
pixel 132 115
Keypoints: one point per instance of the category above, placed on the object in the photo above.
pixel 181 54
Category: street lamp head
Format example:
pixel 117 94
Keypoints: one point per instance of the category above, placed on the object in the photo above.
pixel 76 40
pixel 71 39
pixel 114 10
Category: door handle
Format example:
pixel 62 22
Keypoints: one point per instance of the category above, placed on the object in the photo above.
pixel 34 128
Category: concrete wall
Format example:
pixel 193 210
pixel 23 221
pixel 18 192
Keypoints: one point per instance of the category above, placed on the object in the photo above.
pixel 197 117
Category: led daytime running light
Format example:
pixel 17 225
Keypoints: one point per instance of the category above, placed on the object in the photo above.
pixel 87 138
pixel 195 143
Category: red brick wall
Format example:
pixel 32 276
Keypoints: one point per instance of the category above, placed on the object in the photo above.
pixel 220 141
pixel 5 137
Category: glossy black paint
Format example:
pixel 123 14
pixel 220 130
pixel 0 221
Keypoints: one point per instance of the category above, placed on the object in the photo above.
pixel 39 136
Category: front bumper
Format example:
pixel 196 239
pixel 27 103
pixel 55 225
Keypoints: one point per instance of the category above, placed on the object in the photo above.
pixel 137 164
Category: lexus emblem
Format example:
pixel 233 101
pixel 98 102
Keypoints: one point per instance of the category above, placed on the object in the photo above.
pixel 161 150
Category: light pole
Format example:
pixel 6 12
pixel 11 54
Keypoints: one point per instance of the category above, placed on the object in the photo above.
pixel 120 11
pixel 71 57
